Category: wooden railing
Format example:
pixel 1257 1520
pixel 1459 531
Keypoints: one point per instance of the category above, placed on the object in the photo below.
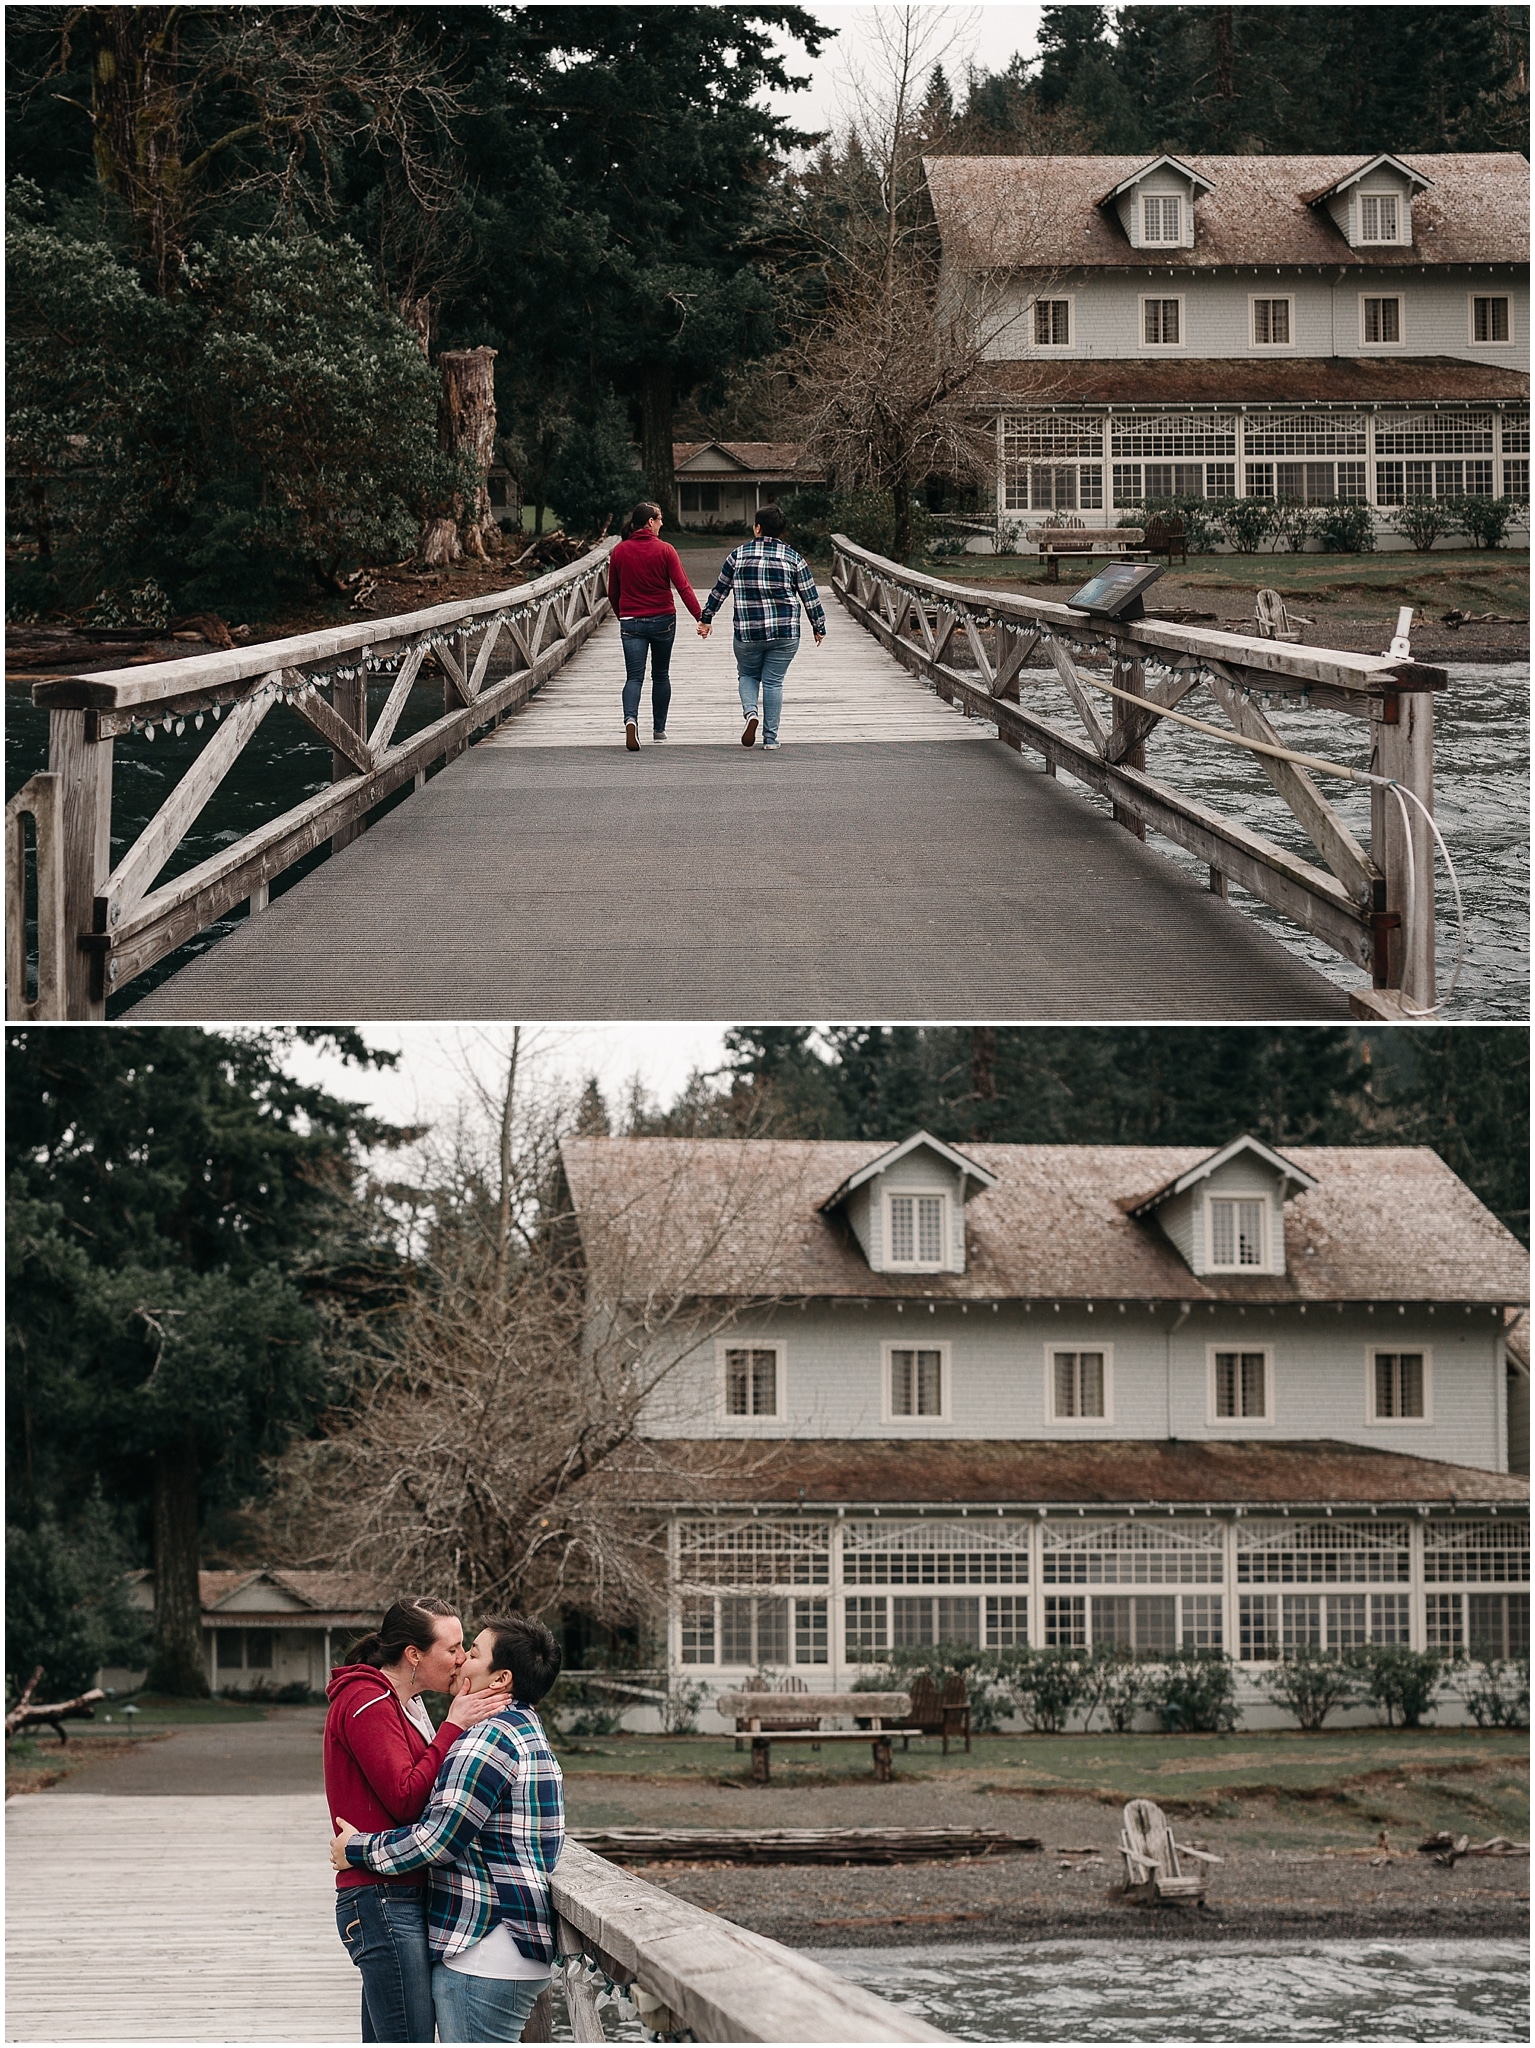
pixel 692 1974
pixel 99 924
pixel 1374 905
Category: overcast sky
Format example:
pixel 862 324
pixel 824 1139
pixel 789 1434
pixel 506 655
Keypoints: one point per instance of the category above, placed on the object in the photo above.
pixel 984 36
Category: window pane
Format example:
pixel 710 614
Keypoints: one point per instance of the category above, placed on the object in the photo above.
pixel 1090 1374
pixel 911 1623
pixel 902 1239
pixel 959 1620
pixel 902 1377
pixel 810 1632
pixel 1066 1621
pixel 1487 1624
pixel 1007 1620
pixel 1223 1233
pixel 1253 1402
pixel 930 1207
pixel 698 1631
pixel 258 1649
pixel 1042 321
pixel 1516 478
pixel 1280 317
pixel 1127 483
pixel 1112 1622
pixel 1065 1384
pixel 1347 1621
pixel 1202 1621
pixel 1250 1214
pixel 1261 329
pixel 738 1383
pixel 1227 1382
pixel 929 1382
pixel 1390 1618
pixel 1443 1612
pixel 736 1632
pixel 230 1649
pixel 764 1383
pixel 1155 1623
pixel 867 1628
pixel 1258 1627
pixel 1302 1614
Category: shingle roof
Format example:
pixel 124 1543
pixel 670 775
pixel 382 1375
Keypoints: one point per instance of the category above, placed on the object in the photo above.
pixel 329 1597
pixel 715 1217
pixel 1043 212
pixel 1297 380
pixel 763 458
pixel 957 1474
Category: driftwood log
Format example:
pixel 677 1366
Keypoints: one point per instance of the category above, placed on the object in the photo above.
pixel 801 1845
pixel 1448 1849
pixel 25 1715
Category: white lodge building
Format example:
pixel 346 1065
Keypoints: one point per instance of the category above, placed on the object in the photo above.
pixel 1050 1394
pixel 1307 328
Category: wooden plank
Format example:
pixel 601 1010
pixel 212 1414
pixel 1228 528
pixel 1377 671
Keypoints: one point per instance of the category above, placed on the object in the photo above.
pixel 389 716
pixel 119 688
pixel 1140 725
pixel 131 878
pixel 342 738
pixel 84 768
pixel 42 799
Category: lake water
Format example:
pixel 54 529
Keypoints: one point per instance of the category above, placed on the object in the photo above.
pixel 1346 1991
pixel 1482 802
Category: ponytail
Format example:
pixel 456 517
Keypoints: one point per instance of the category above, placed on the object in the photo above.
pixel 410 1623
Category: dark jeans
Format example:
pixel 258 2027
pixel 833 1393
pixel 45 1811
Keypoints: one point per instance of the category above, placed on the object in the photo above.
pixel 657 634
pixel 384 1929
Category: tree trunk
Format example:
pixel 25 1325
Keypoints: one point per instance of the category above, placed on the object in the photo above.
pixel 466 426
pixel 417 315
pixel 135 117
pixel 900 495
pixel 177 1665
pixel 656 438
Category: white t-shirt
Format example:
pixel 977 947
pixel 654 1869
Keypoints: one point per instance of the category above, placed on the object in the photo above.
pixel 497 1955
pixel 416 1714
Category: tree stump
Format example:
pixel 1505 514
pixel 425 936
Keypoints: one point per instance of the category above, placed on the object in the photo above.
pixel 466 426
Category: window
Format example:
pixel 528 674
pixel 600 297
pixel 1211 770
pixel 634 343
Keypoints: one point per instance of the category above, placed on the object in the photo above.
pixel 1377 217
pixel 1161 218
pixel 1478 1552
pixel 1396 482
pixel 244 1649
pixel 916 1377
pixel 1236 1230
pixel 810 1632
pixel 1054 487
pixel 1380 322
pixel 1151 1624
pixel 867 1627
pixel 1316 483
pixel 723 1552
pixel 1484 1624
pixel 1052 323
pixel 1240 1386
pixel 1145 1622
pixel 1007 1621
pixel 1516 477
pixel 1079 1384
pixel 1272 323
pixel 698 1631
pixel 1138 484
pixel 1489 319
pixel 1132 1553
pixel 1271 1624
pixel 1162 323
pixel 754 1632
pixel 1399 1386
pixel 915 1229
pixel 699 498
pixel 1065 1621
pixel 1435 433
pixel 935 1553
pixel 1328 1552
pixel 753 1381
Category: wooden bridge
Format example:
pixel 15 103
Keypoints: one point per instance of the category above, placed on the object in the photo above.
pixel 884 863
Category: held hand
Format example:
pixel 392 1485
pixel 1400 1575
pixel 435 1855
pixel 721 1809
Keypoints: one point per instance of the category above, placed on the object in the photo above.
pixel 819 637
pixel 344 1833
pixel 704 631
pixel 470 1708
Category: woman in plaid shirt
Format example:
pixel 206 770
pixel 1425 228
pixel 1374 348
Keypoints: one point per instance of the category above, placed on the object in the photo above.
pixel 491 1833
pixel 771 581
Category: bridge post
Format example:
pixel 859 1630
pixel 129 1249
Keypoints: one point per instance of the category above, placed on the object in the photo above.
pixel 1130 675
pixel 350 703
pixel 1404 750
pixel 84 765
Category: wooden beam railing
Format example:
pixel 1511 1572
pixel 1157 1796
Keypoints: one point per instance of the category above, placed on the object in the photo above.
pixel 694 1975
pixel 99 925
pixel 1374 906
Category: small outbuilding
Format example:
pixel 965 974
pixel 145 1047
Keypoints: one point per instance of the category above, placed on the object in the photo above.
pixel 722 483
pixel 270 1630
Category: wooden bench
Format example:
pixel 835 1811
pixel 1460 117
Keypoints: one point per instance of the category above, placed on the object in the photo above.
pixel 1153 1866
pixel 945 1712
pixel 1166 535
pixel 795 1725
pixel 1082 543
pixel 761 1710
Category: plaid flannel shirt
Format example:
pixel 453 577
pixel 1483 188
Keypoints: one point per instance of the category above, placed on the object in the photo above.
pixel 491 1833
pixel 771 581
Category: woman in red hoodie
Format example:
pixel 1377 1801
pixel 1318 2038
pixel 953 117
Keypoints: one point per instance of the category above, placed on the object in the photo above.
pixel 382 1756
pixel 643 571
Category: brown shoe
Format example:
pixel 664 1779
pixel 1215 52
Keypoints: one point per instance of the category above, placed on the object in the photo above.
pixel 749 731
pixel 632 736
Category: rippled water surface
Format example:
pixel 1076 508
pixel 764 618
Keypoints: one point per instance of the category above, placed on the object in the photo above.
pixel 1301 1991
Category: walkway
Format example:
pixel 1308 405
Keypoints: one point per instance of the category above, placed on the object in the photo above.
pixel 852 875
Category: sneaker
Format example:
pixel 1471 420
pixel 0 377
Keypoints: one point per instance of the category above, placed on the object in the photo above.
pixel 749 731
pixel 657 739
pixel 632 736
pixel 771 746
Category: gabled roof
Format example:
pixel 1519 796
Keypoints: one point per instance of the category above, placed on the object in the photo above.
pixel 1137 177
pixel 743 1217
pixel 1044 213
pixel 966 1168
pixel 1292 1175
pixel 761 458
pixel 323 1597
pixel 1363 171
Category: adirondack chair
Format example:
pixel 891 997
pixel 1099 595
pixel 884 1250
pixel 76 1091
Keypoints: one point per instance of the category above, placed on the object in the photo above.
pixel 943 1712
pixel 1274 621
pixel 1165 535
pixel 1153 1860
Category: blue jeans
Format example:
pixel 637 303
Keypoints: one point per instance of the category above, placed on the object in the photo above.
pixel 658 635
pixel 384 1929
pixel 764 664
pixel 483 2008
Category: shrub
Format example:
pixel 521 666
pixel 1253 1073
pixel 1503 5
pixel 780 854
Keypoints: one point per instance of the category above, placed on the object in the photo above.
pixel 1201 524
pixel 679 1710
pixel 66 1602
pixel 1487 520
pixel 867 517
pixel 1497 1692
pixel 1045 1685
pixel 1312 1683
pixel 1425 520
pixel 985 1686
pixel 1291 525
pixel 1114 1679
pixel 1193 1692
pixel 947 547
pixel 1245 522
pixel 1346 527
pixel 1403 1683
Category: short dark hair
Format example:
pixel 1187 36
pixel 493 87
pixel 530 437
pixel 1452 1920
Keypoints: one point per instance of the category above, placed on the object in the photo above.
pixel 529 1652
pixel 770 520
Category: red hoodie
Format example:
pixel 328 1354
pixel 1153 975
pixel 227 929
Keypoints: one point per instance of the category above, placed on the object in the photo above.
pixel 642 573
pixel 379 1767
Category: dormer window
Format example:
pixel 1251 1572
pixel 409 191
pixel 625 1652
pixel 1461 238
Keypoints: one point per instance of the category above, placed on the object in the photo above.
pixel 1161 219
pixel 1378 216
pixel 916 1230
pixel 1237 1229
